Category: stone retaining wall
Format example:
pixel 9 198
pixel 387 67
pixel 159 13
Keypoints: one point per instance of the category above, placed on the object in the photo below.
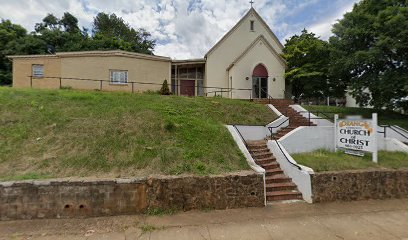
pixel 86 198
pixel 359 185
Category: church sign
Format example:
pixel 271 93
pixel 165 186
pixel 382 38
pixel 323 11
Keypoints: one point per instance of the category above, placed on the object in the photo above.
pixel 356 135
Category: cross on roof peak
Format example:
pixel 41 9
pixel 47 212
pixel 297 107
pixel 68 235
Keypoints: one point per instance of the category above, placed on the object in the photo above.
pixel 251 2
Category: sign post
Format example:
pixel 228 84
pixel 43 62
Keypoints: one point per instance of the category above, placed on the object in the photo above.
pixel 375 150
pixel 356 135
pixel 336 118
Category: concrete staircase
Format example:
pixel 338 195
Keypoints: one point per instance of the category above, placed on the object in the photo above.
pixel 295 118
pixel 278 186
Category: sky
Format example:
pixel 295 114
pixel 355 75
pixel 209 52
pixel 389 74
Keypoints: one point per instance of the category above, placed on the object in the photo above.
pixel 187 28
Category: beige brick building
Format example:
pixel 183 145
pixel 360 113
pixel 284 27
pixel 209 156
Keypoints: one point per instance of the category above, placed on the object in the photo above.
pixel 245 63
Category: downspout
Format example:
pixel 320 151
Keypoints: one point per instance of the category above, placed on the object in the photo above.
pixel 229 81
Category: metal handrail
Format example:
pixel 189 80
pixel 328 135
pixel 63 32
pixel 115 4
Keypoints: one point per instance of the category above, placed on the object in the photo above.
pixel 269 96
pixel 397 130
pixel 243 139
pixel 218 91
pixel 324 113
pixel 400 128
pixel 284 154
pixel 271 128
pixel 131 83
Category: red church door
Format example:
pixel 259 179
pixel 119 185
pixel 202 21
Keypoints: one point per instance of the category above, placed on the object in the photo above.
pixel 187 88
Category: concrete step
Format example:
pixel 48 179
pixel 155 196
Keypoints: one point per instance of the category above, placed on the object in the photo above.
pixel 261 161
pixel 273 187
pixel 273 171
pixel 285 130
pixel 250 147
pixel 278 178
pixel 283 195
pixel 261 155
pixel 259 150
pixel 270 165
pixel 256 144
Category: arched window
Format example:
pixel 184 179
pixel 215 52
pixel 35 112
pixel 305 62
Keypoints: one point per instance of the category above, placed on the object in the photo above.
pixel 260 71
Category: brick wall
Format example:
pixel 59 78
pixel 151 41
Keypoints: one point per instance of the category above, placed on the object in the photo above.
pixel 65 199
pixel 359 185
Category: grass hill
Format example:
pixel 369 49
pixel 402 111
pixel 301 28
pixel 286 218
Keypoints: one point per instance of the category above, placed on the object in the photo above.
pixel 49 133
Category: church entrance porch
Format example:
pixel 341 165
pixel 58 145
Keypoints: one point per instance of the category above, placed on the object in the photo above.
pixel 187 77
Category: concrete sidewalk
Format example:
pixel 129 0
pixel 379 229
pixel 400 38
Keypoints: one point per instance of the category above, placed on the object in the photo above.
pixel 374 219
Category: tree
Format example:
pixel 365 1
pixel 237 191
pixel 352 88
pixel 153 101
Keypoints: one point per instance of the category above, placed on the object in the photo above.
pixel 370 52
pixel 70 23
pixel 110 29
pixel 10 34
pixel 165 88
pixel 307 58
pixel 61 34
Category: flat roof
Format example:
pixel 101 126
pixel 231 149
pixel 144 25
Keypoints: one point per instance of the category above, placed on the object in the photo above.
pixel 95 54
pixel 189 61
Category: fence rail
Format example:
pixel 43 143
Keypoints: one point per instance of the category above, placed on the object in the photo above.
pixel 400 131
pixel 209 89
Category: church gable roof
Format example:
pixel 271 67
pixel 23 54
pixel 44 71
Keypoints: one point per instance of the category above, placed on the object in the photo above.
pixel 262 39
pixel 252 10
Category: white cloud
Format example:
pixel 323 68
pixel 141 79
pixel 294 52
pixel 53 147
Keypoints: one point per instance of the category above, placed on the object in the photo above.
pixel 324 27
pixel 183 29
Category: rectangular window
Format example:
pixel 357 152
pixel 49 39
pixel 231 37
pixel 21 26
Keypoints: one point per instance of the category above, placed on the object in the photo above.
pixel 182 73
pixel 200 88
pixel 174 86
pixel 191 73
pixel 200 73
pixel 38 70
pixel 252 27
pixel 118 77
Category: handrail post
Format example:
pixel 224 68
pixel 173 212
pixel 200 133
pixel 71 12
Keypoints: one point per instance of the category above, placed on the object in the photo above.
pixel 100 88
pixel 60 82
pixel 31 81
pixel 385 131
pixel 133 87
pixel 309 118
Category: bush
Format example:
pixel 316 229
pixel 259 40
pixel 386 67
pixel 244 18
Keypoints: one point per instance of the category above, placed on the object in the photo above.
pixel 165 88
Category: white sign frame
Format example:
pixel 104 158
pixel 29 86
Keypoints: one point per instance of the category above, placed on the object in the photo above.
pixel 372 138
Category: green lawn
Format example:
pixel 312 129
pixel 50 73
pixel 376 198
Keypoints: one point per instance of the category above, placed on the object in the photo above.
pixel 323 160
pixel 50 133
pixel 384 117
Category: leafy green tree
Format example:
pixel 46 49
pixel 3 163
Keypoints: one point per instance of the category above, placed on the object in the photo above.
pixel 307 58
pixel 61 34
pixel 112 31
pixel 10 36
pixel 370 52
pixel 70 23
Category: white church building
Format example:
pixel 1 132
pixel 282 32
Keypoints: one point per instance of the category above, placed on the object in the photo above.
pixel 245 63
